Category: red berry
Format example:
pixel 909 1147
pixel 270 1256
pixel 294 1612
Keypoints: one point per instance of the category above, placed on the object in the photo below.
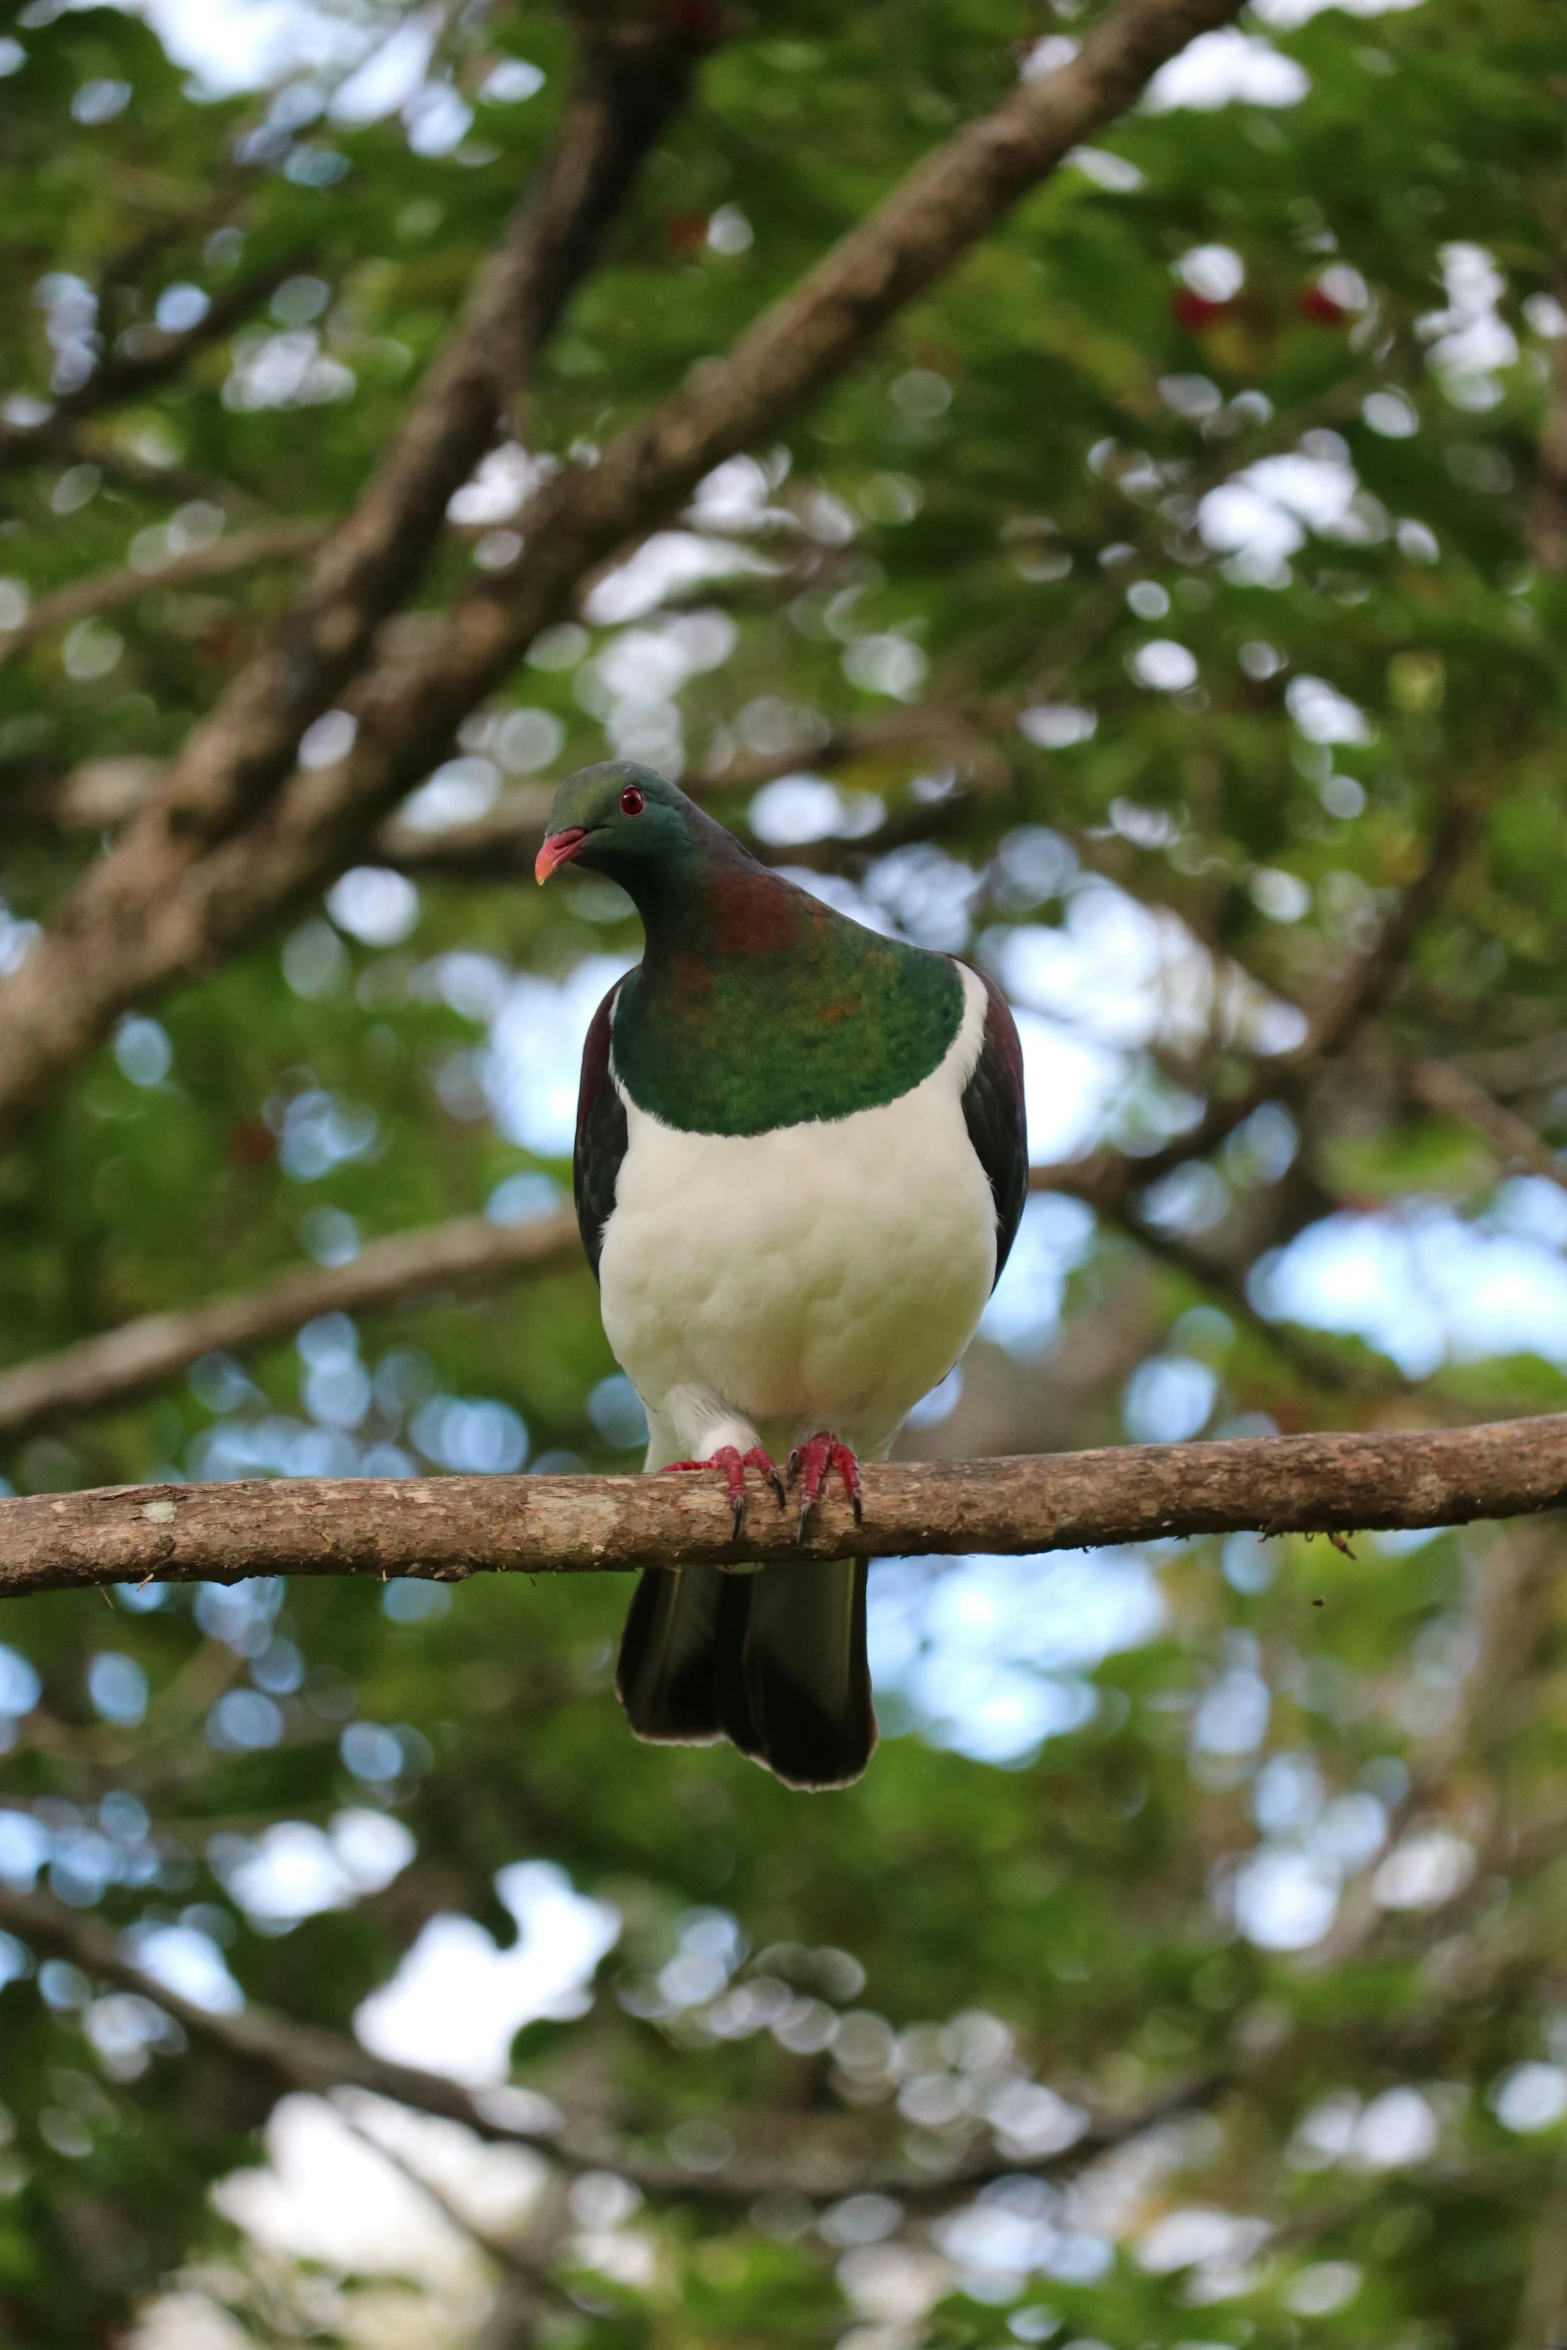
pixel 250 1143
pixel 1313 303
pixel 1194 311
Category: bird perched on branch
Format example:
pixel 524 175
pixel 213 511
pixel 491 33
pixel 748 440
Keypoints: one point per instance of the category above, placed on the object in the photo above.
pixel 800 1164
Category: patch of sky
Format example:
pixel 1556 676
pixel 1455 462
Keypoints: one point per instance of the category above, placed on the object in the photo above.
pixel 1123 975
pixel 616 1410
pixel 534 1055
pixel 671 563
pixel 1425 1286
pixel 989 1653
pixel 887 663
pixel 288 370
pixel 294 1870
pixel 187 1961
pixel 239 1614
pixel 315 961
pixel 500 487
pixel 1532 2097
pixel 1227 68
pixel 794 809
pixel 318 1131
pixel 457 2002
pixel 118 1688
pixel 1168 1399
pixel 476 1436
pixel 1232 1718
pixel 1469 341
pixel 940 1403
pixel 524 1199
pixel 461 792
pixel 372 1752
pixel 1024 1312
pixel 411 1600
pixel 24 1849
pixel 330 1236
pixel 1284 1896
pixel 244 1721
pixel 20 1687
pixel 279 1446
pixel 737 496
pixel 1286 15
pixel 1262 516
pixel 375 905
pixel 143 1050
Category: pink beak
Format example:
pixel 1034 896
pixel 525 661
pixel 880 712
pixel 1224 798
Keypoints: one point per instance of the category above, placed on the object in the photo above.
pixel 558 850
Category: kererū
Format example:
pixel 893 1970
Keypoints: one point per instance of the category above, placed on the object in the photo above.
pixel 800 1164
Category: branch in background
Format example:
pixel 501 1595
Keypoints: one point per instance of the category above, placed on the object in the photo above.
pixel 1105 1179
pixel 155 359
pixel 106 591
pixel 1545 521
pixel 469 1253
pixel 830 2161
pixel 156 908
pixel 1446 1089
pixel 463 1255
pixel 509 2256
pixel 631 80
pixel 1542 2309
pixel 169 484
pixel 447 1528
pixel 629 83
pixel 1317 1365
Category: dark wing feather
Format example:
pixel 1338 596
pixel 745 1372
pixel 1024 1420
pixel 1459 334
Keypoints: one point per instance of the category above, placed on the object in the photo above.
pixel 601 1135
pixel 993 1112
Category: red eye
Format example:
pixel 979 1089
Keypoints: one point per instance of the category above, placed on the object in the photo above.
pixel 632 802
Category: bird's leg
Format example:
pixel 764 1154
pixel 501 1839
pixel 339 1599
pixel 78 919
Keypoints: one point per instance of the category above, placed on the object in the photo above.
pixel 734 1465
pixel 812 1461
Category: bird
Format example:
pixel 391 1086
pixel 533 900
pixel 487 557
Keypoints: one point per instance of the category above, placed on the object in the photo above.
pixel 801 1160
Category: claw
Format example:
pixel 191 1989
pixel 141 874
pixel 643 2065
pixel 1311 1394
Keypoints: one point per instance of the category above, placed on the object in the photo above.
pixel 813 1461
pixel 734 1465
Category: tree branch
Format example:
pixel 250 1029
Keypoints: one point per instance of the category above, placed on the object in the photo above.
pixel 106 591
pixel 156 908
pixel 156 357
pixel 1106 1178
pixel 508 2255
pixel 448 1528
pixel 631 79
pixel 312 2058
pixel 1447 1090
pixel 462 1255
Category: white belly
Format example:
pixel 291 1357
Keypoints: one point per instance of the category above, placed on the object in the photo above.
pixel 825 1275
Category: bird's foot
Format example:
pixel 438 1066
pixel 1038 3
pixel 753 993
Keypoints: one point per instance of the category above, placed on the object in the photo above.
pixel 734 1465
pixel 812 1462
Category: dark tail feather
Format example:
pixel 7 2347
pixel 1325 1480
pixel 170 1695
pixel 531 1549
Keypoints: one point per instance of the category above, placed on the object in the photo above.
pixel 806 1673
pixel 774 1661
pixel 679 1672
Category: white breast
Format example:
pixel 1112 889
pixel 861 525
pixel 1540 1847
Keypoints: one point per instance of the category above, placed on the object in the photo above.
pixel 824 1275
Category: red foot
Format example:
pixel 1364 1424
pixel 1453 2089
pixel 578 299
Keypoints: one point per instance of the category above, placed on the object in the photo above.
pixel 814 1460
pixel 734 1465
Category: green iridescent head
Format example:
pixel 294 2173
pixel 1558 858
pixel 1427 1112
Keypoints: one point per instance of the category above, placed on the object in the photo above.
pixel 620 820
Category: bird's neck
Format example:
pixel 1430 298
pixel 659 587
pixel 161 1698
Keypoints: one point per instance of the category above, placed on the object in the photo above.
pixel 757 1006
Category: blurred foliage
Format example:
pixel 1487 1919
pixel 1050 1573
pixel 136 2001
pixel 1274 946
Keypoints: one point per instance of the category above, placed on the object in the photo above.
pixel 1198 529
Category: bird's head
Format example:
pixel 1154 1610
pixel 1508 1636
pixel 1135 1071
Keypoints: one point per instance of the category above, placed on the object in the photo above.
pixel 615 818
